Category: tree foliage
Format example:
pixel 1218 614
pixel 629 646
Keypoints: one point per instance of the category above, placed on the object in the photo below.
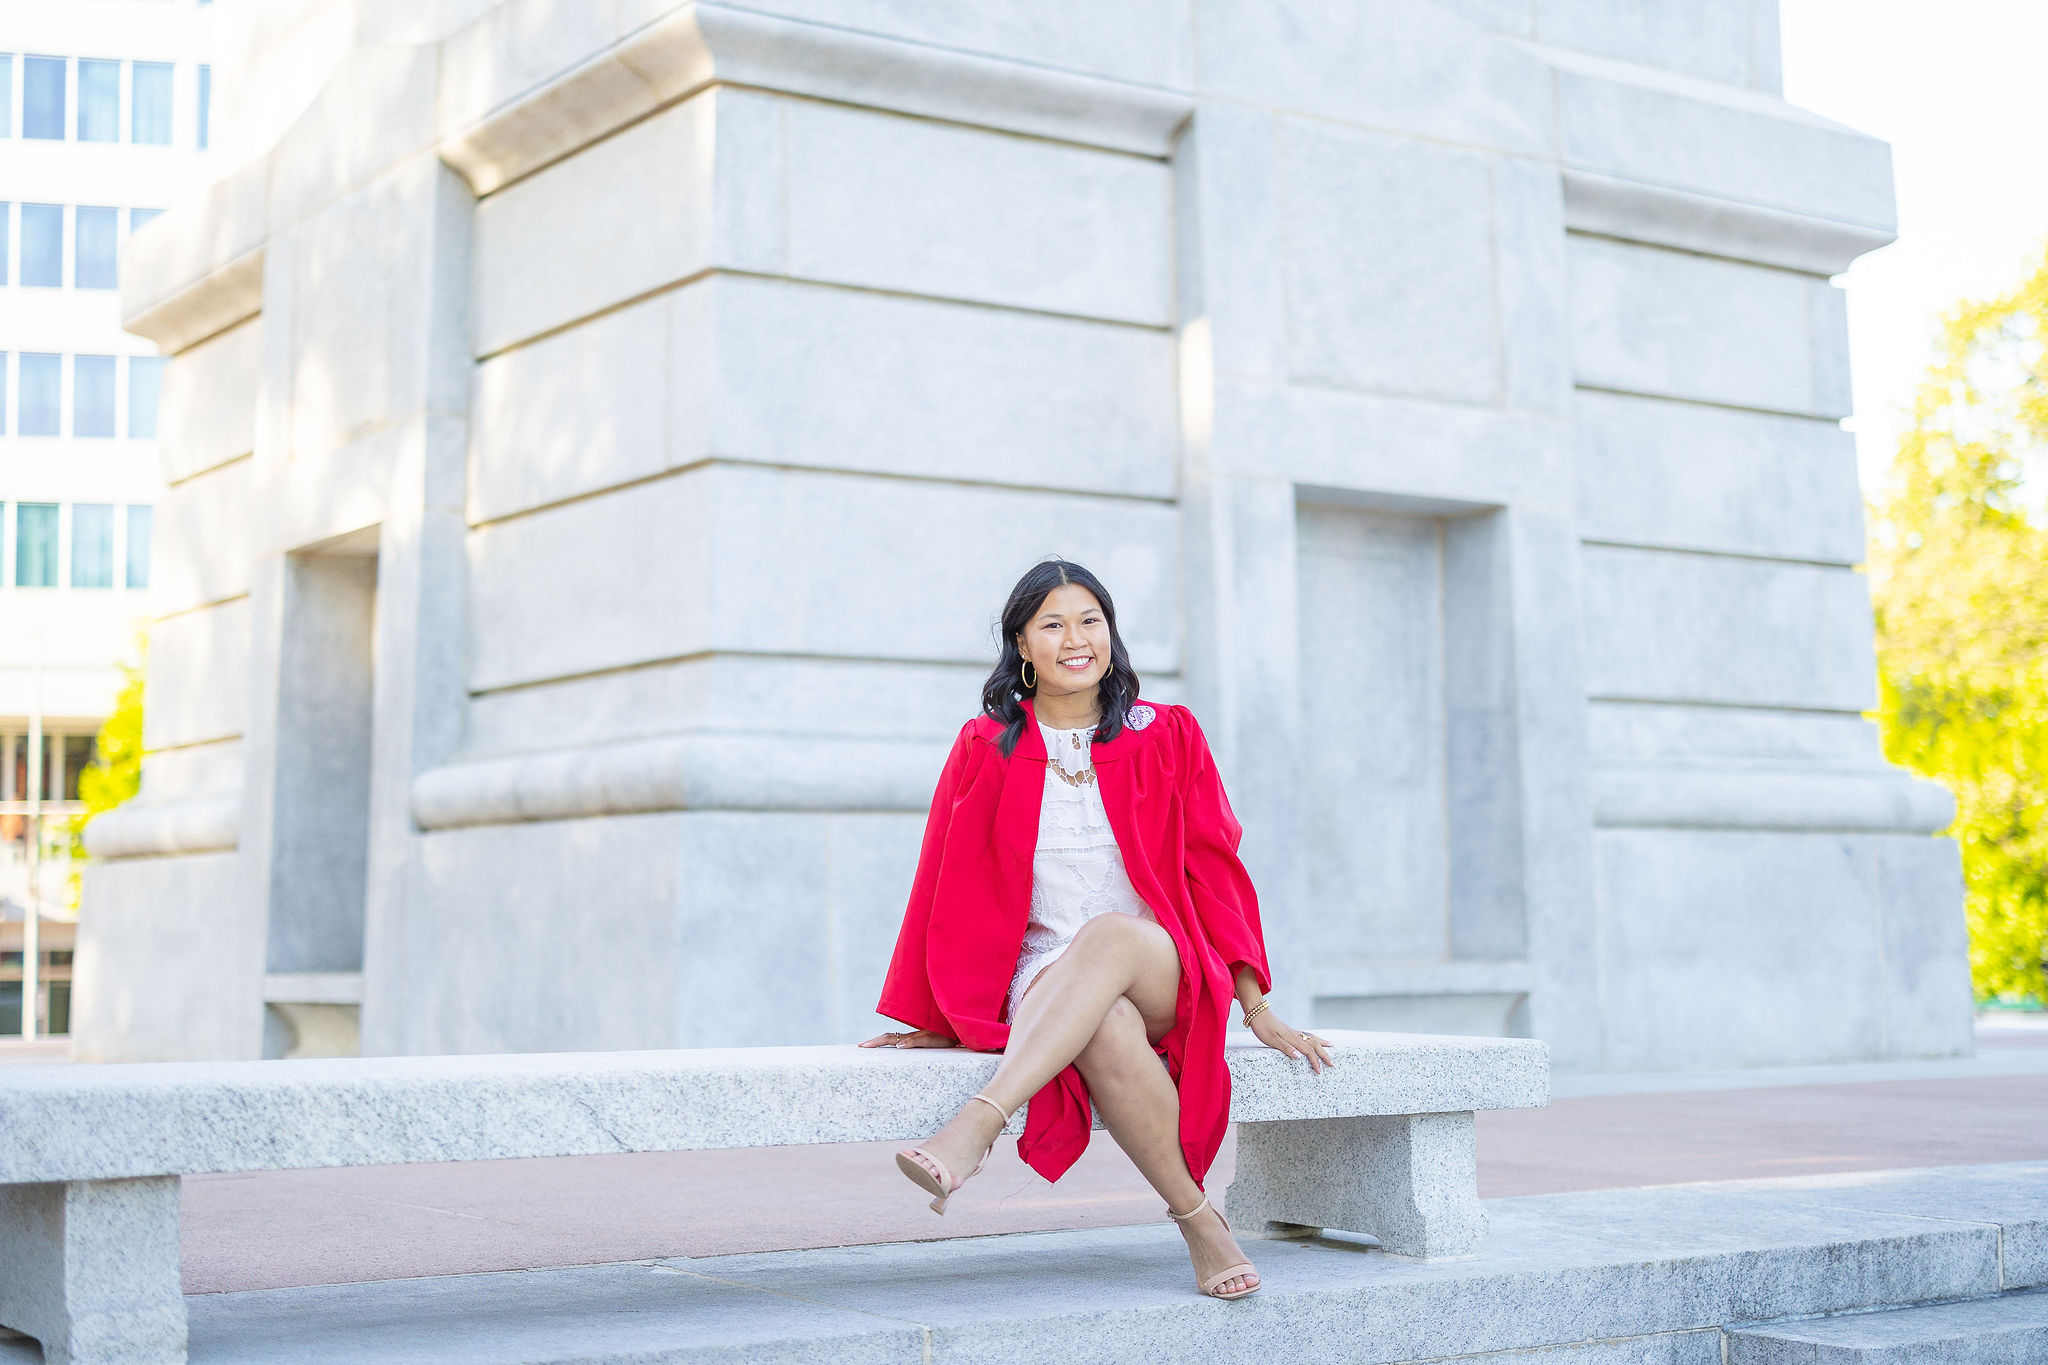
pixel 1959 572
pixel 115 774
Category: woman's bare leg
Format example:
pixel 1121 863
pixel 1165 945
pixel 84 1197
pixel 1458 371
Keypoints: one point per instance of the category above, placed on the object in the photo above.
pixel 1098 1007
pixel 1111 956
pixel 1141 1108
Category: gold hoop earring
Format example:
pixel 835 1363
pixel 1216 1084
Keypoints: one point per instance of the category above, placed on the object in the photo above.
pixel 1032 681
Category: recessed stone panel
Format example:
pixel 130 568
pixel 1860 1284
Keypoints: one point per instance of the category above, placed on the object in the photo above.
pixel 1389 251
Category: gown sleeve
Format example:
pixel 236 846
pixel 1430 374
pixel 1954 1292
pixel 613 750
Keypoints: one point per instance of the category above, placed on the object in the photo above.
pixel 1217 881
pixel 907 989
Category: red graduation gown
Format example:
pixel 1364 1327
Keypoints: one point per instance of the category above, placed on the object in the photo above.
pixel 964 925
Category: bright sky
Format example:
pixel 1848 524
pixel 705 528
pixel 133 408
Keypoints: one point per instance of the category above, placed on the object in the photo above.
pixel 1959 90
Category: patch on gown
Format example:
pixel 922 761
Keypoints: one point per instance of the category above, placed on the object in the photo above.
pixel 1138 717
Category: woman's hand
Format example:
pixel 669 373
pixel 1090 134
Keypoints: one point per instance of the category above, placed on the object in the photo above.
pixel 917 1037
pixel 1268 1029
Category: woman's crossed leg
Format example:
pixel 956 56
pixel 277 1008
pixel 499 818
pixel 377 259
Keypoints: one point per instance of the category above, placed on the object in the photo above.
pixel 1100 1006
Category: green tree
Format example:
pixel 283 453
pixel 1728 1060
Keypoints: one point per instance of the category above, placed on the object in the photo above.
pixel 1959 574
pixel 115 774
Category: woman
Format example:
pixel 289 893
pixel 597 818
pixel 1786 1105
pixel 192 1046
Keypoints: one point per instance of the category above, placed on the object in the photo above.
pixel 1079 904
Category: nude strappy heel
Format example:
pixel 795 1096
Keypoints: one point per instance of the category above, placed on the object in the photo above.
pixel 1208 1286
pixel 931 1174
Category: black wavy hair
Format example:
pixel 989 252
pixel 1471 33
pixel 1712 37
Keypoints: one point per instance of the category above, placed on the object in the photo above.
pixel 1002 696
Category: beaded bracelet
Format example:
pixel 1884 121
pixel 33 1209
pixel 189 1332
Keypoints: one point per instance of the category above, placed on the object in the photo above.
pixel 1254 1012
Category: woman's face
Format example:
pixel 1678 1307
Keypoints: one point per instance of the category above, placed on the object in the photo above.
pixel 1067 641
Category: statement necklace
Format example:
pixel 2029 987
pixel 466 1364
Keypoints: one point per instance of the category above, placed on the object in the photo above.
pixel 1079 779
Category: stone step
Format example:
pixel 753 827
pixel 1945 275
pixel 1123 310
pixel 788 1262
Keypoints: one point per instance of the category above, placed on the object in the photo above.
pixel 2009 1330
pixel 1617 1277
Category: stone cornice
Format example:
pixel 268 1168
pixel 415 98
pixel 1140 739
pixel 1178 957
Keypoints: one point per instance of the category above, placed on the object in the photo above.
pixel 1665 216
pixel 681 772
pixel 492 137
pixel 1700 796
pixel 148 829
pixel 198 270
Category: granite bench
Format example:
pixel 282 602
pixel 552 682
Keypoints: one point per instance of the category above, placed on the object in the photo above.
pixel 91 1156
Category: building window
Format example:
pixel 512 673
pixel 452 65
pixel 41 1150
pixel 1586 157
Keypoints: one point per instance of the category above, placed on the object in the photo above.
pixel 42 245
pixel 99 101
pixel 80 752
pixel 205 105
pixel 3 408
pixel 92 545
pixel 145 387
pixel 137 217
pixel 6 218
pixel 95 247
pixel 92 395
pixel 42 97
pixel 42 395
pixel 149 118
pixel 35 545
pixel 140 520
pixel 6 94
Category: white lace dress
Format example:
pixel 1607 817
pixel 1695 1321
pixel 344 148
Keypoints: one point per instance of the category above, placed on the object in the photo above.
pixel 1078 872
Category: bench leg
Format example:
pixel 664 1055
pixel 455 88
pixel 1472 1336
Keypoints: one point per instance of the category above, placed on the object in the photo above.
pixel 1410 1180
pixel 90 1269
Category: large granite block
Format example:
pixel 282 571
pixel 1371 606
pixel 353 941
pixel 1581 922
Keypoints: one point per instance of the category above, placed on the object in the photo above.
pixel 92 1270
pixel 170 963
pixel 760 560
pixel 2009 1330
pixel 920 207
pixel 2008 1196
pixel 153 1119
pixel 1679 732
pixel 732 693
pixel 1650 321
pixel 207 412
pixel 1658 472
pixel 1721 629
pixel 1410 1180
pixel 1726 948
pixel 522 952
pixel 783 373
pixel 198 676
pixel 661 222
pixel 208 541
pixel 1624 1277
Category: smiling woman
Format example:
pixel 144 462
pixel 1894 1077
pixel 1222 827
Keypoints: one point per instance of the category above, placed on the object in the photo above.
pixel 1079 906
